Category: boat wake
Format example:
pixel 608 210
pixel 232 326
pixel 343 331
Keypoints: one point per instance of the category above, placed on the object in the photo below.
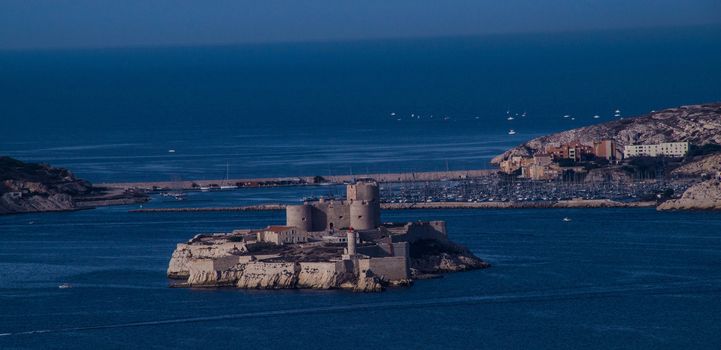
pixel 686 287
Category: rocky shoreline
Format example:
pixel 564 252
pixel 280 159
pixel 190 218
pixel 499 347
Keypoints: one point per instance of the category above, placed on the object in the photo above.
pixel 215 261
pixel 32 188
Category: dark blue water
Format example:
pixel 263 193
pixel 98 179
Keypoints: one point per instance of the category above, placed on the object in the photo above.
pixel 325 108
pixel 611 278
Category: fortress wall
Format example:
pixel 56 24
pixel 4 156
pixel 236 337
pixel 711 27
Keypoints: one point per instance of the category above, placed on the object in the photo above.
pixel 325 213
pixel 260 275
pixel 423 230
pixel 320 275
pixel 389 268
pixel 226 262
pixel 201 271
pixel 299 216
pixel 372 251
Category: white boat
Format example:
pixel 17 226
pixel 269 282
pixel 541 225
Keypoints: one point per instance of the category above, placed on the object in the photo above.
pixel 567 219
pixel 65 286
pixel 509 118
pixel 566 116
pixel 393 114
pixel 225 185
pixel 596 116
pixel 171 151
pixel 204 188
pixel 511 132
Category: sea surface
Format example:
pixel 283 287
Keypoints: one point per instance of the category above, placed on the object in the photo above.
pixel 336 108
pixel 610 278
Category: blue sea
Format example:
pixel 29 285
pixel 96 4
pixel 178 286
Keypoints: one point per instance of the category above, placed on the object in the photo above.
pixel 611 278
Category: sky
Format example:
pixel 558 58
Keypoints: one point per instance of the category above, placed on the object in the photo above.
pixel 44 24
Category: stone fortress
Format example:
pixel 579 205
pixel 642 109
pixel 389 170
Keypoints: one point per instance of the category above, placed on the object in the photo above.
pixel 361 210
pixel 324 244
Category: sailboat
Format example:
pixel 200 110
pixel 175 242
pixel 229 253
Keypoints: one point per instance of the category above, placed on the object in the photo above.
pixel 511 132
pixel 225 185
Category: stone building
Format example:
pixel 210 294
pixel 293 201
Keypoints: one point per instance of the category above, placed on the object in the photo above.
pixel 281 235
pixel 669 149
pixel 361 210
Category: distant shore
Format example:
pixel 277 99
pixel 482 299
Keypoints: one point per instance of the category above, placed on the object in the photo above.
pixel 576 203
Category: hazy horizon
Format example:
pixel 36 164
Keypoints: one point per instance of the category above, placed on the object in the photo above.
pixel 44 24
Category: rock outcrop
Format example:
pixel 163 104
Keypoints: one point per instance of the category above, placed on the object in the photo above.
pixel 708 166
pixel 702 196
pixel 27 187
pixel 697 124
pixel 434 257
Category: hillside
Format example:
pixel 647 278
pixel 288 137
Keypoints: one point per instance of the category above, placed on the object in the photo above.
pixel 29 187
pixel 697 124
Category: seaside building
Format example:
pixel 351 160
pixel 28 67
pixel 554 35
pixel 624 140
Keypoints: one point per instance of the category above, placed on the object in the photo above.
pixel 607 149
pixel 574 150
pixel 515 163
pixel 281 235
pixel 668 149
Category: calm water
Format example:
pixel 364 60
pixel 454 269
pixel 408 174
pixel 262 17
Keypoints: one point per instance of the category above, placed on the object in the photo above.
pixel 325 108
pixel 611 278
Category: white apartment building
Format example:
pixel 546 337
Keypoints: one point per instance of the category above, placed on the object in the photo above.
pixel 669 149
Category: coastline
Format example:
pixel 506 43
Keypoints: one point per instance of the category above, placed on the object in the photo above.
pixel 582 203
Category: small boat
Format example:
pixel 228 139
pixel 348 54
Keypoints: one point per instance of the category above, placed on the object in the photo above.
pixel 566 116
pixel 393 114
pixel 511 132
pixel 596 116
pixel 65 286
pixel 171 151
pixel 567 219
pixel 509 118
pixel 226 185
pixel 204 188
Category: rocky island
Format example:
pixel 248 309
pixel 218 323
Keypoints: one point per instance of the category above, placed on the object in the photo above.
pixel 334 244
pixel 29 187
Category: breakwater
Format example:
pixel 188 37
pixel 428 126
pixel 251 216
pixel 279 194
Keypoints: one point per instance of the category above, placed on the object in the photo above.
pixel 302 180
pixel 591 203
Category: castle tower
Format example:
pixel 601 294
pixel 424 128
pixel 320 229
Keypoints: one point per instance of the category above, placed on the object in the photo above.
pixel 299 216
pixel 365 207
pixel 351 242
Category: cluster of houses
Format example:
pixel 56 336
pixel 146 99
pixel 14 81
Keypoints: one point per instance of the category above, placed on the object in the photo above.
pixel 545 165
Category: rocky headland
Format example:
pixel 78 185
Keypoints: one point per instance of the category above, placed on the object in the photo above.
pixel 698 124
pixel 705 195
pixel 697 173
pixel 30 187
